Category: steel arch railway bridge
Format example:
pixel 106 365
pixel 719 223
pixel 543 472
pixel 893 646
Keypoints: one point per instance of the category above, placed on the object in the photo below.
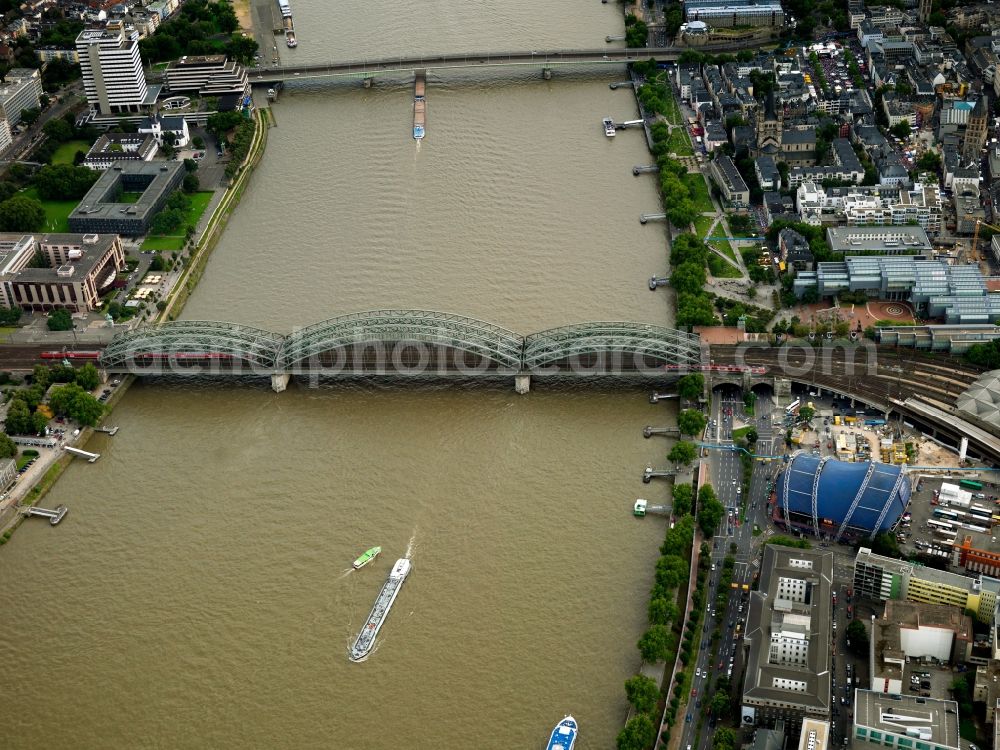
pixel 396 343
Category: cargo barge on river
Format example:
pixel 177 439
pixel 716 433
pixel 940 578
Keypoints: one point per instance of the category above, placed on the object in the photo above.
pixel 419 104
pixel 366 638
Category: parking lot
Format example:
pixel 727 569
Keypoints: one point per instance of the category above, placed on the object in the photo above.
pixel 920 536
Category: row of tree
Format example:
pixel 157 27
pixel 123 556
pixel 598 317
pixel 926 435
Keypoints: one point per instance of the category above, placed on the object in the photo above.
pixel 236 131
pixel 71 399
pixel 985 355
pixel 689 257
pixel 636 32
pixel 660 641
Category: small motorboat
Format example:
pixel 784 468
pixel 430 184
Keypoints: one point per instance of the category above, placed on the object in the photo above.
pixel 367 557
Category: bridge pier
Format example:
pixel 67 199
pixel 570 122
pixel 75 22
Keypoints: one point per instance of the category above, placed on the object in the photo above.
pixel 103 375
pixel 279 381
pixel 522 383
pixel 367 81
pixel 547 74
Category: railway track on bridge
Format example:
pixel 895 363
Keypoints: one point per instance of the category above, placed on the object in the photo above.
pixel 889 377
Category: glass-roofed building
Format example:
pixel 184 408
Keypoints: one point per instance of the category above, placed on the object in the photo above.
pixel 956 294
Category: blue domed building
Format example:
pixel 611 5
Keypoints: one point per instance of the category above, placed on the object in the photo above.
pixel 827 497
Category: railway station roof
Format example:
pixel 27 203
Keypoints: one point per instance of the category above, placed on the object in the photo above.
pixel 982 398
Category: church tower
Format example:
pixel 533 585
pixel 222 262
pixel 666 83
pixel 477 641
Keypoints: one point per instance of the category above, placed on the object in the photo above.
pixel 769 126
pixel 975 133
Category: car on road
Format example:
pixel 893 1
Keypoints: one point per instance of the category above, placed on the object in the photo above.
pixel 697 673
pixel 688 719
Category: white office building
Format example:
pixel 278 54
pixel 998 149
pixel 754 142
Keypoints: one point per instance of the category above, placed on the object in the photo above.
pixel 112 70
pixel 6 137
pixel 21 90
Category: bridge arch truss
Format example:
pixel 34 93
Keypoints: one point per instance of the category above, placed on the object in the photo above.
pixel 381 335
pixel 174 341
pixel 613 347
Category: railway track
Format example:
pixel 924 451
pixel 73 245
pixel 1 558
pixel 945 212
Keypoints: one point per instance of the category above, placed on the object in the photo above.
pixel 888 376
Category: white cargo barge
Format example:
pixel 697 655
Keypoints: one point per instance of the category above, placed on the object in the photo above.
pixel 286 9
pixel 366 638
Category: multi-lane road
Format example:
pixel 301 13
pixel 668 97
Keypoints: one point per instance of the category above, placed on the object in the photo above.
pixel 726 477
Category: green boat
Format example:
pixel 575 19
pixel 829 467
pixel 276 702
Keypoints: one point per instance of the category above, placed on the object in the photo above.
pixel 367 557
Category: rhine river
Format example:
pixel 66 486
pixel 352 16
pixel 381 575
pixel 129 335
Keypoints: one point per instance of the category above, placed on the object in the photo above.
pixel 199 594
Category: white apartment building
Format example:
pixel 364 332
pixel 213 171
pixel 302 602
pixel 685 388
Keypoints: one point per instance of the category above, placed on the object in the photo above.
pixel 861 206
pixel 6 137
pixel 21 91
pixel 47 54
pixel 112 70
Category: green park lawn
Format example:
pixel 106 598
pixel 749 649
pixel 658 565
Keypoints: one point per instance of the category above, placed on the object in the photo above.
pixel 722 269
pixel 702 224
pixel 673 112
pixel 699 191
pixel 56 212
pixel 199 202
pixel 65 153
pixel 679 143
pixel 723 245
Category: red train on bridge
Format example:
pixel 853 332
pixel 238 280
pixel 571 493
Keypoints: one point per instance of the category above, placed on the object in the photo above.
pixel 719 368
pixel 93 356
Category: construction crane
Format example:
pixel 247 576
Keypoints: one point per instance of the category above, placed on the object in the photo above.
pixel 975 237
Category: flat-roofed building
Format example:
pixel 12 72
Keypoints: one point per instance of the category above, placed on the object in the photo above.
pixel 735 12
pixel 209 75
pixel 120 147
pixel 986 689
pixel 914 631
pixel 100 210
pixel 815 735
pixel 50 53
pixel 22 89
pixel 81 269
pixel 956 339
pixel 16 252
pixel 787 642
pixel 905 240
pixel 113 77
pixel 904 722
pixel 882 578
pixel 6 136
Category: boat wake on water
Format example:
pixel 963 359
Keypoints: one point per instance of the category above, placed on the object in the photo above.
pixel 411 544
